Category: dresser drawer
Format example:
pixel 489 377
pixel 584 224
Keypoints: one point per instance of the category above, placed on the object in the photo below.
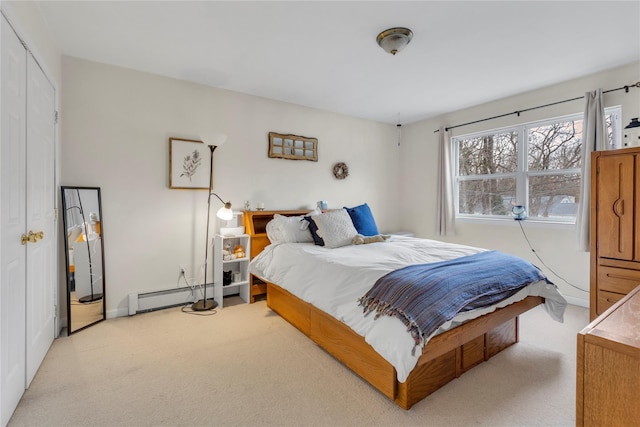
pixel 617 280
pixel 606 300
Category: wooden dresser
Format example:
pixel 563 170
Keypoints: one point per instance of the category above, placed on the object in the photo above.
pixel 608 367
pixel 615 226
pixel 255 225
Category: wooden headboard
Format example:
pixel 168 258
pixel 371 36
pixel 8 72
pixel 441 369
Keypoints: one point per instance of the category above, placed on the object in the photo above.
pixel 255 225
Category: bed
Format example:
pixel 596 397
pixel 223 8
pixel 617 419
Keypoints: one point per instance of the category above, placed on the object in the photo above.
pixel 320 302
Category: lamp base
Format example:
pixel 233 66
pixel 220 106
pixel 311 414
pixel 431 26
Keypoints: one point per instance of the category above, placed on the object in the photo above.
pixel 203 305
pixel 90 298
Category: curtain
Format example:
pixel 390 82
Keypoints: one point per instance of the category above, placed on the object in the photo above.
pixel 446 212
pixel 594 138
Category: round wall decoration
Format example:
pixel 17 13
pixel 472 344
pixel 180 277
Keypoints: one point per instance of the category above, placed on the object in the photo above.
pixel 340 170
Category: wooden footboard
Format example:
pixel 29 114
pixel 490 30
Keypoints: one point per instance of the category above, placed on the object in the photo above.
pixel 335 337
pixel 445 357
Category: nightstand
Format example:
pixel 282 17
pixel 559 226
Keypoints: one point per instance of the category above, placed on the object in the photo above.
pixel 235 267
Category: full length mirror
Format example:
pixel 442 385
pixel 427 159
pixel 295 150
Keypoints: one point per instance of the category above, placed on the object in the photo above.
pixel 84 255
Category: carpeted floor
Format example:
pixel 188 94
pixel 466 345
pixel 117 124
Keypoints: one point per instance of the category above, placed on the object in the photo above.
pixel 244 366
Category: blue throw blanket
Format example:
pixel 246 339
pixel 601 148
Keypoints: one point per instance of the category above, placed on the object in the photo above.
pixel 425 296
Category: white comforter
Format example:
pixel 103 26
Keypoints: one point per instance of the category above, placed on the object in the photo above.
pixel 333 280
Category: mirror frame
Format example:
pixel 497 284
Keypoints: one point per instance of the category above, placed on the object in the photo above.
pixel 65 221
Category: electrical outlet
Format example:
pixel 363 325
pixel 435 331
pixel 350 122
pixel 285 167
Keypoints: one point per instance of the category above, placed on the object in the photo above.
pixel 182 271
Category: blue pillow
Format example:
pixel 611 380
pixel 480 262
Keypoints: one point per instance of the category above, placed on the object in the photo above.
pixel 362 219
pixel 313 228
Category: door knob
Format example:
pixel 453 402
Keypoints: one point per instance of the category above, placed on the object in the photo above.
pixel 32 237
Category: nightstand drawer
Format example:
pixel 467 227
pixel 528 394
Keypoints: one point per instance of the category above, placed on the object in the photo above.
pixel 258 288
pixel 618 280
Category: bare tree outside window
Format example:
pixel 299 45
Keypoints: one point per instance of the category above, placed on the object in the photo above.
pixel 555 148
pixel 494 154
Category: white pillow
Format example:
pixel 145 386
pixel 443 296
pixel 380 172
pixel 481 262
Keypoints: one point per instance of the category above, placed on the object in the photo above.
pixel 290 229
pixel 274 231
pixel 294 228
pixel 335 228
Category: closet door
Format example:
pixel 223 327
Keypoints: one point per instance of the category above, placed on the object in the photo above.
pixel 41 273
pixel 13 220
pixel 27 203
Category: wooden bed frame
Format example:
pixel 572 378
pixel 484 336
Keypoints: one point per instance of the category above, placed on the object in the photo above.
pixel 444 358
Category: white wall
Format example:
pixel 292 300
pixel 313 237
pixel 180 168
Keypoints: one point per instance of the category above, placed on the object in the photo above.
pixel 116 125
pixel 555 245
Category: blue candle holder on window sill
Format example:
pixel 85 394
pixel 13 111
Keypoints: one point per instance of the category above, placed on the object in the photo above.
pixel 519 212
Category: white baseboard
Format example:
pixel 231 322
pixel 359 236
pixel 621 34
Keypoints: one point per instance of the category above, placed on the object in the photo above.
pixel 580 302
pixel 118 312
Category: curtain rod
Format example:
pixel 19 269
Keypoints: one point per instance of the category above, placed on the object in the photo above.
pixel 626 89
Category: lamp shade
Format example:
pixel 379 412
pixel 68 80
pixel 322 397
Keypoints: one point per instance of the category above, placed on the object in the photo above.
pixel 73 233
pixel 631 134
pixel 225 212
pixel 634 123
pixel 215 139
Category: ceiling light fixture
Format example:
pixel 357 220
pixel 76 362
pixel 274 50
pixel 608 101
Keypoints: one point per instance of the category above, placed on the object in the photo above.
pixel 395 39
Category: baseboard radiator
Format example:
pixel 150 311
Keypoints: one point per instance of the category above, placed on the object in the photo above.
pixel 144 302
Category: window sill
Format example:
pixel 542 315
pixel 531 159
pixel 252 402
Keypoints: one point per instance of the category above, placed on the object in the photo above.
pixel 509 222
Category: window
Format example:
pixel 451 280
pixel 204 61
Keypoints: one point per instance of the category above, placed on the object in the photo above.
pixel 536 165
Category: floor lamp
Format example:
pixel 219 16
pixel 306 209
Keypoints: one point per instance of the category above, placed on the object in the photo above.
pixel 224 213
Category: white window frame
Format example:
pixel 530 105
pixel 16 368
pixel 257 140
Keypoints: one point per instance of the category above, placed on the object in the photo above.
pixel 522 174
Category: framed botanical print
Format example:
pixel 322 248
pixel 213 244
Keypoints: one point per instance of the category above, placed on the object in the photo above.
pixel 189 165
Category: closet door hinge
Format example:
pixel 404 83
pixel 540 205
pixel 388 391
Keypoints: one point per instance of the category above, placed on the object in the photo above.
pixel 55 117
